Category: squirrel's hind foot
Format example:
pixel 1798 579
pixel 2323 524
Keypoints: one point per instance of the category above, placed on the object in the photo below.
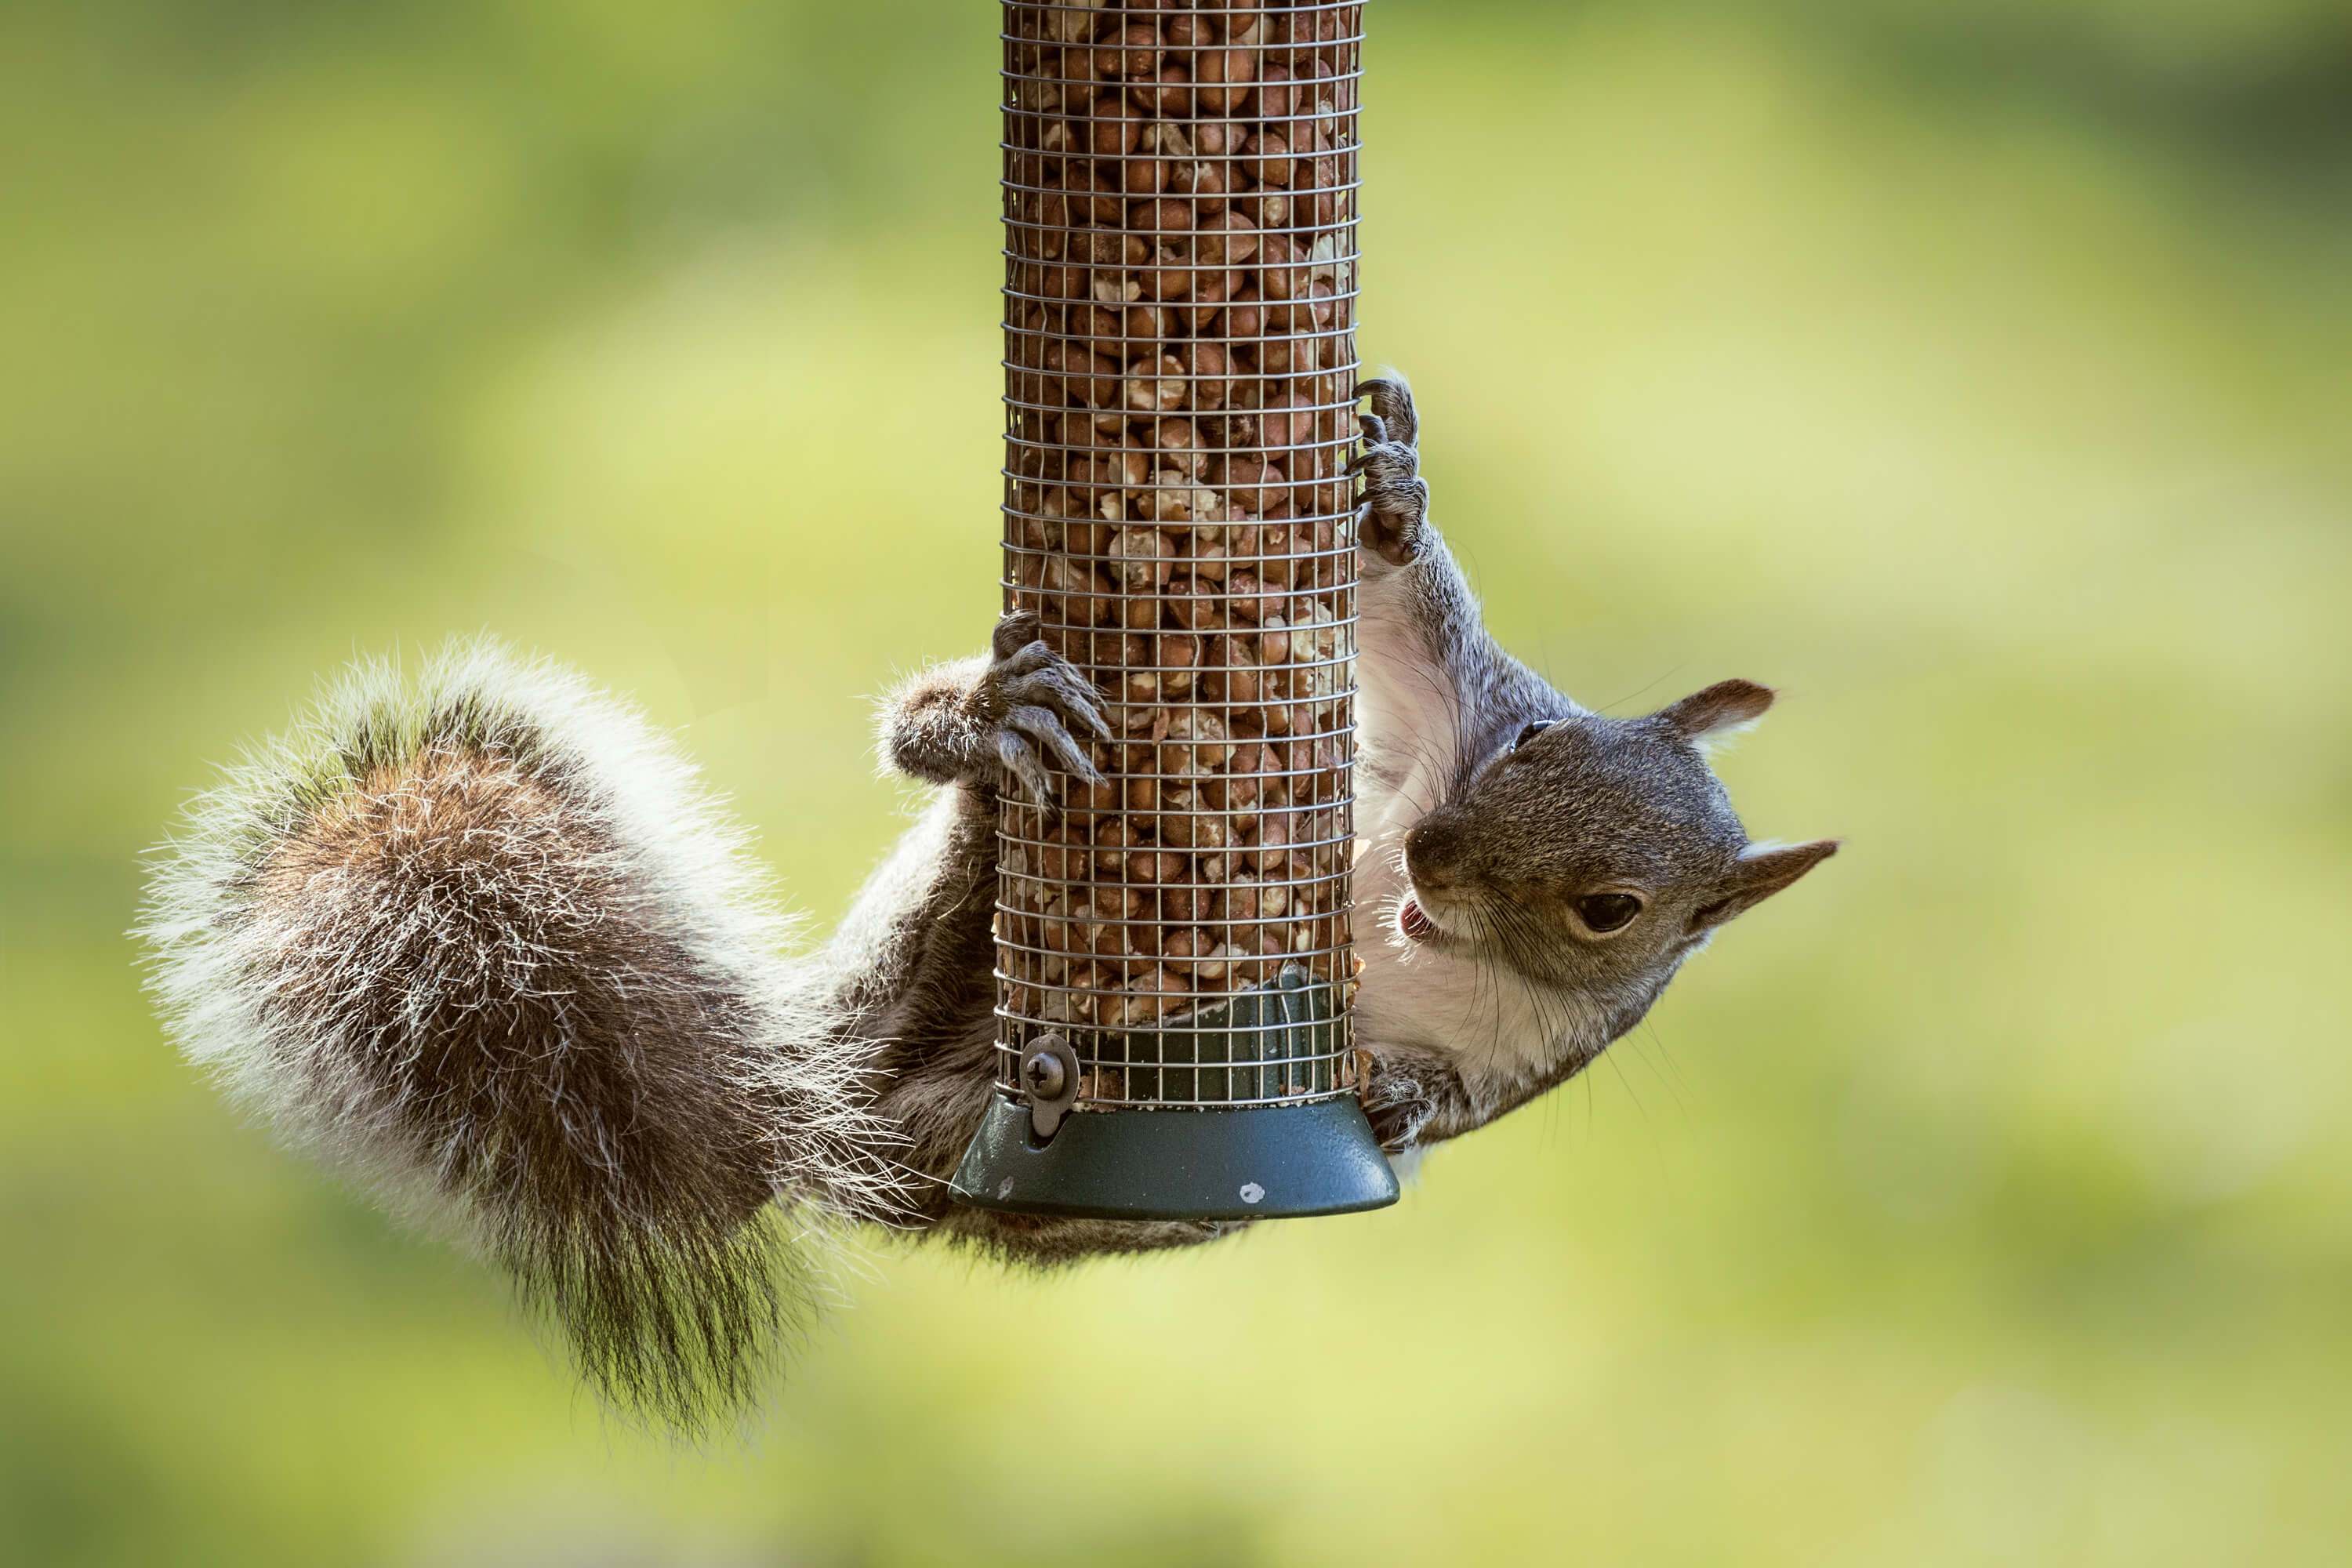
pixel 1034 698
pixel 975 723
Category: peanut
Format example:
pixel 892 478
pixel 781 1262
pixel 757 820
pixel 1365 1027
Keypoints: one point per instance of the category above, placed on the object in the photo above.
pixel 1179 277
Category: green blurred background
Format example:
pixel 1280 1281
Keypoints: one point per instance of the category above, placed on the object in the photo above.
pixel 1981 374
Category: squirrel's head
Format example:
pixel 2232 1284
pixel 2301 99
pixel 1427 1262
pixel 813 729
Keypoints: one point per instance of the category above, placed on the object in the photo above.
pixel 1581 858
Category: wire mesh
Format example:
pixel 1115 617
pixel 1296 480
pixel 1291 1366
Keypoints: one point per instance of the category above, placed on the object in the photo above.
pixel 1180 210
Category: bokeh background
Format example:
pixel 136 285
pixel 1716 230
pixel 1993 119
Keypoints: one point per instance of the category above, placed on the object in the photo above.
pixel 1976 373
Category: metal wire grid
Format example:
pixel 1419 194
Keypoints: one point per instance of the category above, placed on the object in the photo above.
pixel 1180 190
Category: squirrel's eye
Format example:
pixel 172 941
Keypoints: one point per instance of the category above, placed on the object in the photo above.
pixel 1605 912
pixel 1532 731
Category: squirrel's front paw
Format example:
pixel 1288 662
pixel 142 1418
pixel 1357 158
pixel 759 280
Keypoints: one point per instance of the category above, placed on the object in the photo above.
pixel 1399 1105
pixel 1027 703
pixel 1395 511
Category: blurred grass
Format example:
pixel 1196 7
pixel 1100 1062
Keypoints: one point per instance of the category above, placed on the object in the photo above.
pixel 1975 374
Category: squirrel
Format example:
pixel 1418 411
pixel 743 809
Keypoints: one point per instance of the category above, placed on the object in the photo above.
pixel 486 946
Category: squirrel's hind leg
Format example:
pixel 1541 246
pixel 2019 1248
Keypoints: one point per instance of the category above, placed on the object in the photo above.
pixel 972 721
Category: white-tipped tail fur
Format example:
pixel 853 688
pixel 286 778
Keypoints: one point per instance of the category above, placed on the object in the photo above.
pixel 486 943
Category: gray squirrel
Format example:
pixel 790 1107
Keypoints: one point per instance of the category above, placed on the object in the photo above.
pixel 485 945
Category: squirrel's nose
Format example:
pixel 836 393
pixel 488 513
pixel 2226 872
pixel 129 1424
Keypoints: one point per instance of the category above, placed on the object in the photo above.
pixel 1432 851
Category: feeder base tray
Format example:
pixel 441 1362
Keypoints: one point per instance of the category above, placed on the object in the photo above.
pixel 1274 1162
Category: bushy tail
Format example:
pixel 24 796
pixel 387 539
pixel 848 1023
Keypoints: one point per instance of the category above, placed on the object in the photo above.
pixel 486 943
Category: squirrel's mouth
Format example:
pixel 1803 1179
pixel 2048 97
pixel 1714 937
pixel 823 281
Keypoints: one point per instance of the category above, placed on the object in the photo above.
pixel 1413 922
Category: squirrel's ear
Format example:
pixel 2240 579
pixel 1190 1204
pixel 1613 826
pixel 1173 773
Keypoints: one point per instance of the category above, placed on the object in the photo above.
pixel 1761 870
pixel 1726 705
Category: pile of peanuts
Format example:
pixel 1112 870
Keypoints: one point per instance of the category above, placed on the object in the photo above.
pixel 1180 267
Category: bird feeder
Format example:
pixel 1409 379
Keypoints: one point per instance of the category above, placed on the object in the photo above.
pixel 1173 956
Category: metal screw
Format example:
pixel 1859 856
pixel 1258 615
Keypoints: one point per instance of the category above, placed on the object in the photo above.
pixel 1044 1076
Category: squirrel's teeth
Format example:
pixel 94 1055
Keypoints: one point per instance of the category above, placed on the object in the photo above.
pixel 1414 923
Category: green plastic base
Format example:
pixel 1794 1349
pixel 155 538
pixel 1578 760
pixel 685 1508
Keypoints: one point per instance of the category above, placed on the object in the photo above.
pixel 1277 1161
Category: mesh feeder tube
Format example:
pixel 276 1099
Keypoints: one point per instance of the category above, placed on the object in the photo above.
pixel 1174 961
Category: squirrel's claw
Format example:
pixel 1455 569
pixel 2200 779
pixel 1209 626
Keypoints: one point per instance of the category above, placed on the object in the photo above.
pixel 1000 726
pixel 1037 698
pixel 1391 402
pixel 1398 1106
pixel 1052 684
pixel 1395 510
pixel 1044 728
pixel 1396 502
pixel 1021 761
